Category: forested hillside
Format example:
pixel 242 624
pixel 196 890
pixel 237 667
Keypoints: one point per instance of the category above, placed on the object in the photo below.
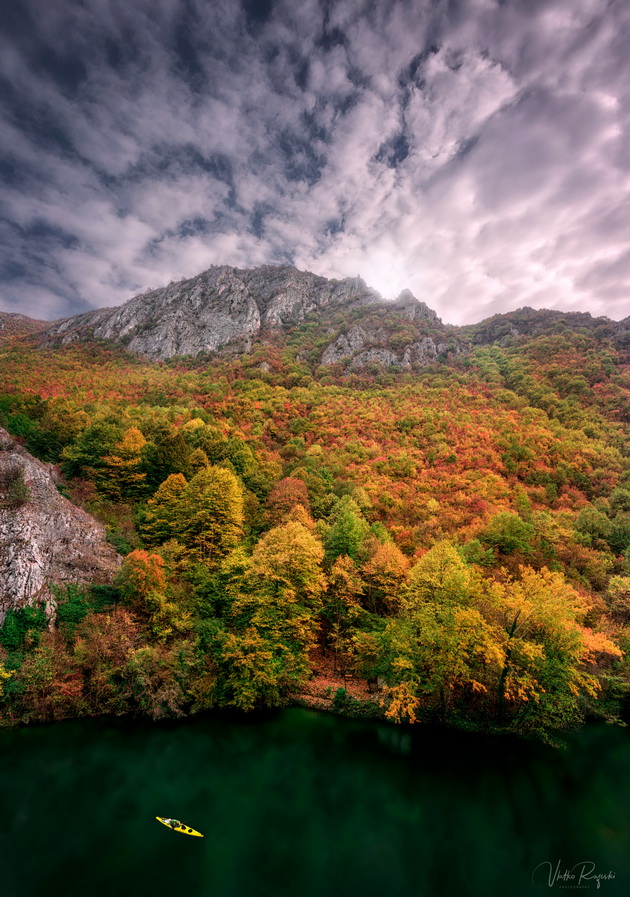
pixel 457 536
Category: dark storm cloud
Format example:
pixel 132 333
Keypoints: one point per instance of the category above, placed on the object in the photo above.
pixel 477 152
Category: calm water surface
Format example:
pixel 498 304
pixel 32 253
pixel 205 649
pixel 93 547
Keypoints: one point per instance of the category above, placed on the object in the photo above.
pixel 306 804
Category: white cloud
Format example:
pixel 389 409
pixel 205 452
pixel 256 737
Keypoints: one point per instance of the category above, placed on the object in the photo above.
pixel 478 156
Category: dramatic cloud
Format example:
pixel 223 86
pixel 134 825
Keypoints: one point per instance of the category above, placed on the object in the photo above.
pixel 475 151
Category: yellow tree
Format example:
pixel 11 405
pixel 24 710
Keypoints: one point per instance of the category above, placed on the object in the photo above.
pixel 252 670
pixel 280 599
pixel 385 575
pixel 547 649
pixel 158 523
pixel 209 514
pixel 440 647
pixel 440 575
pixel 198 460
pixel 439 654
pixel 289 557
pixel 121 476
pixel 342 608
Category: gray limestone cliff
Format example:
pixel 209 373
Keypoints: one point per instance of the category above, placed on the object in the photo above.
pixel 44 538
pixel 355 345
pixel 362 345
pixel 226 309
pixel 413 309
pixel 219 307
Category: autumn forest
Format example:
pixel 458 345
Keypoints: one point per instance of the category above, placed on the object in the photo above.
pixel 454 540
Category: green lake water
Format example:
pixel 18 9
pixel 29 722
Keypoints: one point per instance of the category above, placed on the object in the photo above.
pixel 301 803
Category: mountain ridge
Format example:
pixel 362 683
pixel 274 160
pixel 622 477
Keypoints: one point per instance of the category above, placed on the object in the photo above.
pixel 220 306
pixel 225 309
pixel 15 324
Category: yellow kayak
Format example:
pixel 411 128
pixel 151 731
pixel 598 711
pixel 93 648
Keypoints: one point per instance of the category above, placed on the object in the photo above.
pixel 178 826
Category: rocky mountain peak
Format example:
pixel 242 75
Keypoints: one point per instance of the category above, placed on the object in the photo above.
pixel 414 309
pixel 220 306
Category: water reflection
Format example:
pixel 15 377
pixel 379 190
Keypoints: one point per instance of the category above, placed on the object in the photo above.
pixel 305 804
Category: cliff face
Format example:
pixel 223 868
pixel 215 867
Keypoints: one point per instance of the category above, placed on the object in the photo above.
pixel 364 346
pixel 221 306
pixel 44 538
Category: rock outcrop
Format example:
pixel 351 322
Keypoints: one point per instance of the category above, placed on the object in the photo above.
pixel 219 307
pixel 361 347
pixel 44 538
pixel 413 309
pixel 227 308
pixel 364 344
pixel 345 345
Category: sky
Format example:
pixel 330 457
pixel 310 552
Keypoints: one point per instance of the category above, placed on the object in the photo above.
pixel 476 152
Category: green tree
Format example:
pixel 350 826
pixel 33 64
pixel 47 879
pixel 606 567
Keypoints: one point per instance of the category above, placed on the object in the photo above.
pixel 5 675
pixel 348 530
pixel 84 457
pixel 440 649
pixel 593 528
pixel 619 596
pixel 158 522
pixel 165 453
pixel 508 534
pixel 23 627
